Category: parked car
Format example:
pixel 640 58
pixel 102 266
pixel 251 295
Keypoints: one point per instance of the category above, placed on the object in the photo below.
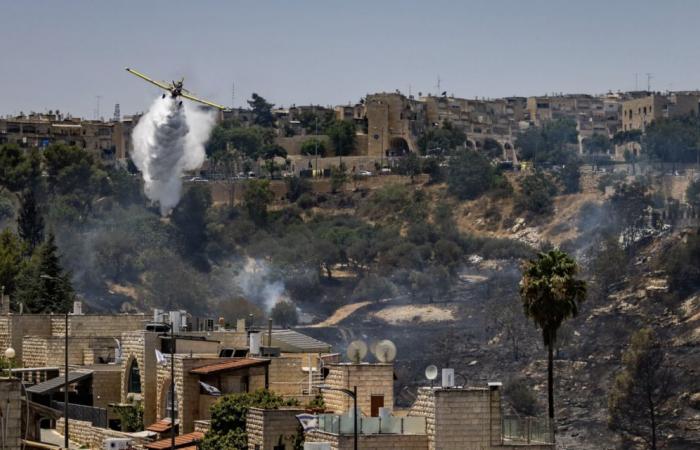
pixel 364 173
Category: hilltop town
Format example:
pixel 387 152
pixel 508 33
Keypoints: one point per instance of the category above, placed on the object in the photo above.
pixel 371 252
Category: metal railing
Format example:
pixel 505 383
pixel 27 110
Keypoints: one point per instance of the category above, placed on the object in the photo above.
pixel 342 425
pixel 527 430
pixel 92 414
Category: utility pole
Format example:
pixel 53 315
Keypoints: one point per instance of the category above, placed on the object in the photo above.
pixel 172 384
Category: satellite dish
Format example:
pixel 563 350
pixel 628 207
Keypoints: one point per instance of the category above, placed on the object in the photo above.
pixel 356 352
pixel 431 372
pixel 385 351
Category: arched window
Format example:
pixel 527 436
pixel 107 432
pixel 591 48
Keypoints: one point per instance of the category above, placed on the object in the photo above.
pixel 134 377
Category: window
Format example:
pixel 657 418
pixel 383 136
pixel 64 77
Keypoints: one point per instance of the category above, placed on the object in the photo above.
pixel 134 378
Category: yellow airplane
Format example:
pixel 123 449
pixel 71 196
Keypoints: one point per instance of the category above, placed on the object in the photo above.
pixel 175 88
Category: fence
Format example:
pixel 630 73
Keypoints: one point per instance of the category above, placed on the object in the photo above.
pixel 335 424
pixel 527 430
pixel 96 416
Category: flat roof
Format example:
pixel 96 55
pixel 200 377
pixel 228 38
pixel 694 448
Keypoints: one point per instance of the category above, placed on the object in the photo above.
pixel 229 364
pixel 58 382
pixel 293 341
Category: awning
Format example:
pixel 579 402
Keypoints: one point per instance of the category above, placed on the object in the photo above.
pixel 185 440
pixel 161 426
pixel 57 383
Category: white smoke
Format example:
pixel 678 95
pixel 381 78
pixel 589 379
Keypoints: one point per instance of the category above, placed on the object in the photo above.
pixel 169 140
pixel 258 285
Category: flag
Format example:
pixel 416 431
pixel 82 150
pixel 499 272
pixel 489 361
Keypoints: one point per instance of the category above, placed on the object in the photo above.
pixel 308 421
pixel 160 358
pixel 211 390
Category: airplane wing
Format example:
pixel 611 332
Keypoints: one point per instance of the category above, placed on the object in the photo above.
pixel 160 84
pixel 189 96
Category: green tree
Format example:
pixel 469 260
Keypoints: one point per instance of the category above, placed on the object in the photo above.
pixel 262 111
pixel 598 143
pixel 552 143
pixel 570 176
pixel 469 175
pixel 19 169
pixel 296 187
pixel 228 418
pixel 313 146
pixel 441 141
pixel 11 261
pixel 641 390
pixel 256 200
pixel 42 285
pixel 190 219
pixel 339 176
pixel 673 140
pixel 409 165
pixel 30 223
pixel 492 148
pixel 551 293
pixel 341 134
pixel 536 194
pixel 692 194
pixel 284 314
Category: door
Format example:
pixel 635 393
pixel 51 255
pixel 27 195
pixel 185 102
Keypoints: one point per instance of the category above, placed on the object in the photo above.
pixel 376 402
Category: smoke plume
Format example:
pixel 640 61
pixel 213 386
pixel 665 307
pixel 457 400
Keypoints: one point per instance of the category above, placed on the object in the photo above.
pixel 169 140
pixel 258 284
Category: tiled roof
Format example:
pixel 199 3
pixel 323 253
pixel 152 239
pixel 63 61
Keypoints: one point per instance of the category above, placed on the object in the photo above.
pixel 229 364
pixel 181 442
pixel 161 426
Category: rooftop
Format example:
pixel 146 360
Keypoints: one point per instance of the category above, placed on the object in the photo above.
pixel 229 364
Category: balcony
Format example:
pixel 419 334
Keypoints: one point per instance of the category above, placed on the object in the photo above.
pixel 344 425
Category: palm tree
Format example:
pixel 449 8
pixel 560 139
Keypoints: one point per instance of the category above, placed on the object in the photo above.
pixel 551 294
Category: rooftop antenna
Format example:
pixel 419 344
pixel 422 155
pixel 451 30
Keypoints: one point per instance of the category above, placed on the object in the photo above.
pixel 117 114
pixel 385 351
pixel 233 95
pixel 649 77
pixel 97 108
pixel 356 352
pixel 636 81
pixel 438 84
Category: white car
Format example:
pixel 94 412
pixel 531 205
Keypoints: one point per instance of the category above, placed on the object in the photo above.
pixel 364 173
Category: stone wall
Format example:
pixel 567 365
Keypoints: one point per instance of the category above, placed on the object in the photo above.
pixel 186 391
pixel 41 351
pixel 106 387
pixel 267 428
pixel 463 419
pixel 11 409
pixel 370 442
pixel 140 346
pixel 370 379
pixel 92 437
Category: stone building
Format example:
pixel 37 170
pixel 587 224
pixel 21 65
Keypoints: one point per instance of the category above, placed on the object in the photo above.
pixel 637 113
pixel 374 382
pixel 393 122
pixel 273 429
pixel 109 141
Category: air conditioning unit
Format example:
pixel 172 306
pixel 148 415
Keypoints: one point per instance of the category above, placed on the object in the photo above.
pixel 117 444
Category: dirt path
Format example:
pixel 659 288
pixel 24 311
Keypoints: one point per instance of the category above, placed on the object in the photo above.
pixel 340 314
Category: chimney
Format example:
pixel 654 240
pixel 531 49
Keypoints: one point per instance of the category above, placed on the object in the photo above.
pixel 240 326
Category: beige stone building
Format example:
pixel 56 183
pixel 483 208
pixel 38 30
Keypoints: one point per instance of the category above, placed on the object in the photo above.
pixel 637 113
pixel 109 141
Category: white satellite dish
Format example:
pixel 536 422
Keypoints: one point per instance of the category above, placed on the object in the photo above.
pixel 431 372
pixel 357 350
pixel 385 351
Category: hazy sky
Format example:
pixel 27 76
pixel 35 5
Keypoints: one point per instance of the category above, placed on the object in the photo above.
pixel 63 54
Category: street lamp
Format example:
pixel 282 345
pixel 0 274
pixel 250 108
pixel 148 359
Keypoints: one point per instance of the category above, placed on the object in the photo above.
pixel 65 370
pixel 9 355
pixel 353 395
